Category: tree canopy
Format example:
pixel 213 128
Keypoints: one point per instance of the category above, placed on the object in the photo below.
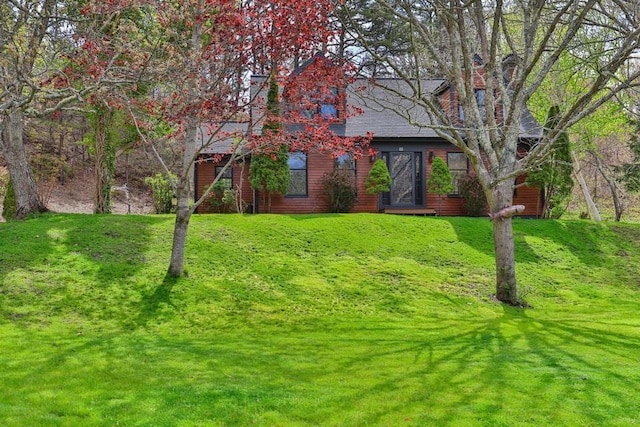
pixel 509 50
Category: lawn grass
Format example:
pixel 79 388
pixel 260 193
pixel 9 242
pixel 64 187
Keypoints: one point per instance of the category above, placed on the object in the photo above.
pixel 337 320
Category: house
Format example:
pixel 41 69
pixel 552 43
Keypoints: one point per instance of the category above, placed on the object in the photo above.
pixel 408 147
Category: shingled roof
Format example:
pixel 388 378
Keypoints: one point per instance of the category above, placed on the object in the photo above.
pixel 379 102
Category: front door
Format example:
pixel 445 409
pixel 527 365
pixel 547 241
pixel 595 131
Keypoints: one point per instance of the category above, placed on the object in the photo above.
pixel 405 168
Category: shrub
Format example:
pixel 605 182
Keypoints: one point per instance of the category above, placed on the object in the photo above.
pixel 555 176
pixel 378 180
pixel 48 169
pixel 340 190
pixel 474 199
pixel 269 174
pixel 162 187
pixel 221 199
pixel 439 181
pixel 9 204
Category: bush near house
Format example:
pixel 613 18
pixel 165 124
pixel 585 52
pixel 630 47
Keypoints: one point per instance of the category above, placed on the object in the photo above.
pixel 162 187
pixel 340 190
pixel 475 200
pixel 221 199
pixel 378 180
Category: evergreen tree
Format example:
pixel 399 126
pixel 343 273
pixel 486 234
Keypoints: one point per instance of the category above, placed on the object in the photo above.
pixel 554 177
pixel 269 172
pixel 440 181
pixel 630 172
pixel 378 180
pixel 9 204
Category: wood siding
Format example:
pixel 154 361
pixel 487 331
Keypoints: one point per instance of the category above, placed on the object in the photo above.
pixel 318 164
pixel 205 174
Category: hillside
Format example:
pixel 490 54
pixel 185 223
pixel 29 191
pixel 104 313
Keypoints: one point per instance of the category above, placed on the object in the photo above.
pixel 316 320
pixel 75 193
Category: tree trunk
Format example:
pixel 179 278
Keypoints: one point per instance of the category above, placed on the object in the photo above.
pixel 24 185
pixel 506 286
pixel 184 196
pixel 105 161
pixel 594 213
pixel 613 187
pixel 183 215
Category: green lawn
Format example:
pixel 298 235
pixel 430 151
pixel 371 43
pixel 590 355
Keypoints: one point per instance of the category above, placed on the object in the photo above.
pixel 331 320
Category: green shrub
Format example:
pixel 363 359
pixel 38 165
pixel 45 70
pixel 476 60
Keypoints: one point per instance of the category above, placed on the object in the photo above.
pixel 269 174
pixel 555 176
pixel 221 199
pixel 378 180
pixel 474 199
pixel 340 190
pixel 440 181
pixel 9 204
pixel 162 187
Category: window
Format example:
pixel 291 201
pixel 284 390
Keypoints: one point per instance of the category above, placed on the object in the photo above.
pixel 226 179
pixel 297 174
pixel 482 106
pixel 323 103
pixel 458 167
pixel 328 104
pixel 346 162
pixel 480 100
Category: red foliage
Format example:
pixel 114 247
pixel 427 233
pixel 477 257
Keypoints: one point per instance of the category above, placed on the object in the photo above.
pixel 198 54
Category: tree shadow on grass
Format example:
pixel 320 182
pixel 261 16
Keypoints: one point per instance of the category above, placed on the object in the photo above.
pixel 154 302
pixel 582 239
pixel 69 265
pixel 510 364
pixel 456 369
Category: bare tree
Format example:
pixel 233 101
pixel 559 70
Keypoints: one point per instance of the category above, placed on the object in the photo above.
pixel 36 44
pixel 514 47
pixel 24 26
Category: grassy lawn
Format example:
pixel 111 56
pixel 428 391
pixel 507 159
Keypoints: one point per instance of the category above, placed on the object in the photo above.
pixel 332 320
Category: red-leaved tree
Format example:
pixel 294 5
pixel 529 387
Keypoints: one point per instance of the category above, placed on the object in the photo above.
pixel 199 56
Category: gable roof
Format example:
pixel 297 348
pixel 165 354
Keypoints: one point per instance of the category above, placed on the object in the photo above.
pixel 379 105
pixel 225 138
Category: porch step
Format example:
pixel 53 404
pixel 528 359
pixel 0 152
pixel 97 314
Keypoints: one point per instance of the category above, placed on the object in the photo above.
pixel 410 211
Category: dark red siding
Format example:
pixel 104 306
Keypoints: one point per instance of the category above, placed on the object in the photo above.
pixel 205 174
pixel 318 164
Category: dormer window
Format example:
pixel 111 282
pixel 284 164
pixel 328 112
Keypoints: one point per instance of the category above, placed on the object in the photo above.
pixel 324 103
pixel 328 111
pixel 482 106
pixel 315 90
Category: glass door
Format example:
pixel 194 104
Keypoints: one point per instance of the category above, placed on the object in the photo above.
pixel 406 178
